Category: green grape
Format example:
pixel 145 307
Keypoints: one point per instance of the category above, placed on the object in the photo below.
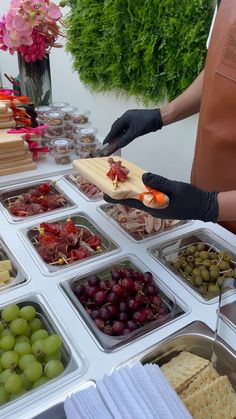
pixel 4 396
pixel 25 359
pixel 7 342
pixel 28 313
pixel 23 348
pixel 2 326
pixel 5 374
pixel 14 396
pixel 52 344
pixel 35 324
pixel 18 326
pixel 22 338
pixel 10 312
pixel 13 383
pixel 6 332
pixel 26 384
pixel 33 371
pixel 39 334
pixel 38 348
pixel 27 332
pixel 53 368
pixel 40 382
pixel 56 355
pixel 9 359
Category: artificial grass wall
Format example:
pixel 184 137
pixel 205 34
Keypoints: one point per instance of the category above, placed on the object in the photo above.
pixel 151 49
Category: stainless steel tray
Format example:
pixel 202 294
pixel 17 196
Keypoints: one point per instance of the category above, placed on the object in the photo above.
pixel 197 338
pixel 136 236
pixel 70 364
pixel 167 252
pixel 8 196
pixel 19 277
pixel 57 411
pixel 228 314
pixel 77 187
pixel 29 236
pixel 110 343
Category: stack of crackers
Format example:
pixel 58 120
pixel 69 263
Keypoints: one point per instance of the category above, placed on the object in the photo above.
pixel 6 117
pixel 14 154
pixel 205 393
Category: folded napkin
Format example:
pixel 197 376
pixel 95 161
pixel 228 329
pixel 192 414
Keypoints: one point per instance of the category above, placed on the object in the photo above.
pixel 138 392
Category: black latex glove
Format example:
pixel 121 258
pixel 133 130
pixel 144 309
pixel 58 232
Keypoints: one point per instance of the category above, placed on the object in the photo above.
pixel 186 202
pixel 133 124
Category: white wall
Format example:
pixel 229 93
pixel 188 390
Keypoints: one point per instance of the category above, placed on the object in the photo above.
pixel 167 152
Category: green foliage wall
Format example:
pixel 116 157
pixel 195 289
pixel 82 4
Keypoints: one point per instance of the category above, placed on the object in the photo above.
pixel 148 48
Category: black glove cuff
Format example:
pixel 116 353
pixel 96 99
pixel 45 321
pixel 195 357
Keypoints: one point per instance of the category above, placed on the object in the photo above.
pixel 212 207
pixel 158 120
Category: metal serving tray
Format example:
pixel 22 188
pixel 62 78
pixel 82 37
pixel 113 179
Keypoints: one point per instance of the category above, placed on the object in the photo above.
pixel 136 236
pixel 8 196
pixel 168 252
pixel 228 314
pixel 108 343
pixel 18 275
pixel 70 364
pixel 57 411
pixel 197 338
pixel 81 220
pixel 76 185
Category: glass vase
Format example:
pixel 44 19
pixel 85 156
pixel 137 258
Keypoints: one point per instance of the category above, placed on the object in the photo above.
pixel 35 80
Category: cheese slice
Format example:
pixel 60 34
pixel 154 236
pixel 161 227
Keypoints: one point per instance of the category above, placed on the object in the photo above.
pixel 3 107
pixel 8 124
pixel 5 265
pixel 4 276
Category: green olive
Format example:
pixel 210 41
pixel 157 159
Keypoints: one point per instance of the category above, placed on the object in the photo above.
pixel 190 258
pixel 196 272
pixel 183 264
pixel 228 258
pixel 184 252
pixel 223 265
pixel 203 254
pixel 191 249
pixel 197 281
pixel 182 258
pixel 229 273
pixel 205 275
pixel 196 254
pixel 213 288
pixel 214 272
pixel 203 288
pixel 201 246
pixel 198 261
pixel 202 268
pixel 212 255
pixel 207 263
pixel 188 269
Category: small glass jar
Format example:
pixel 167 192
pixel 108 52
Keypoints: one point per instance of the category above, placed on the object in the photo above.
pixel 68 110
pixel 88 148
pixel 80 117
pixel 87 135
pixel 68 126
pixel 78 127
pixel 61 150
pixel 40 110
pixel 55 131
pixel 54 118
pixel 56 106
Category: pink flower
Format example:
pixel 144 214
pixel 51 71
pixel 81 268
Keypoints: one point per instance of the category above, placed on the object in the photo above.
pixel 54 12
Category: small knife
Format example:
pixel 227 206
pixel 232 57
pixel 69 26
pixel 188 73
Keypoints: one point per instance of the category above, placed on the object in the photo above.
pixel 107 149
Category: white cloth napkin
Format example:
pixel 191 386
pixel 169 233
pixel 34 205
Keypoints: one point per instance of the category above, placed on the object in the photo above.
pixel 139 392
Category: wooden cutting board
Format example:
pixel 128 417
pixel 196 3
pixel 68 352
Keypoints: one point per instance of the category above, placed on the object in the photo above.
pixel 15 158
pixel 17 169
pixel 95 170
pixel 21 152
pixel 10 142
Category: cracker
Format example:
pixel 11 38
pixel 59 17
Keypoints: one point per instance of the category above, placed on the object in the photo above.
pixel 213 401
pixel 183 368
pixel 206 376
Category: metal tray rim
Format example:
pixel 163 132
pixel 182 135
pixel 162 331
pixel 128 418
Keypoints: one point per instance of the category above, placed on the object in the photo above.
pixel 78 190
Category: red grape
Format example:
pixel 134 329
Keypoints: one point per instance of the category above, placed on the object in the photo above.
pixel 156 300
pixel 93 280
pixel 140 316
pixel 137 286
pixel 132 304
pixel 108 329
pixel 151 290
pixel 117 289
pixel 131 325
pixel 92 291
pixel 147 277
pixel 100 297
pixel 123 316
pixel 118 327
pixel 103 286
pixel 94 314
pixel 113 310
pixel 126 331
pixel 104 313
pixel 78 289
pixel 127 283
pixel 112 298
pixel 123 306
pixel 99 323
pixel 163 310
pixel 115 274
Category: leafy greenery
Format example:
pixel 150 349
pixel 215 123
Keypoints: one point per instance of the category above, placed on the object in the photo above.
pixel 148 48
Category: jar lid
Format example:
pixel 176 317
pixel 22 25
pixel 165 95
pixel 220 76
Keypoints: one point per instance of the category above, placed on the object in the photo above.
pixel 59 105
pixel 79 112
pixel 54 114
pixel 43 108
pixel 87 131
pixel 61 142
pixel 69 109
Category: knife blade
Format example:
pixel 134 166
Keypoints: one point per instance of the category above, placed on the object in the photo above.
pixel 107 150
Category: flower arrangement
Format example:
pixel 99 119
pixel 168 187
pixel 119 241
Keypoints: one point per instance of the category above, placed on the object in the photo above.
pixel 31 28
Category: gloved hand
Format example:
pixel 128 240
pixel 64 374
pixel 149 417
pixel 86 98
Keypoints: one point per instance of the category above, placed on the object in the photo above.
pixel 133 124
pixel 186 202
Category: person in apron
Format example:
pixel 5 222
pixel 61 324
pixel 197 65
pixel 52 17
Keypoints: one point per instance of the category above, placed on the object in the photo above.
pixel 211 196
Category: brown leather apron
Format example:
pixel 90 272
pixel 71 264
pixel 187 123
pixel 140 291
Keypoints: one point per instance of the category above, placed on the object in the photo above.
pixel 214 164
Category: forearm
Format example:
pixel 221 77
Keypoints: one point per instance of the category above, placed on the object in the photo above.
pixel 227 206
pixel 187 104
